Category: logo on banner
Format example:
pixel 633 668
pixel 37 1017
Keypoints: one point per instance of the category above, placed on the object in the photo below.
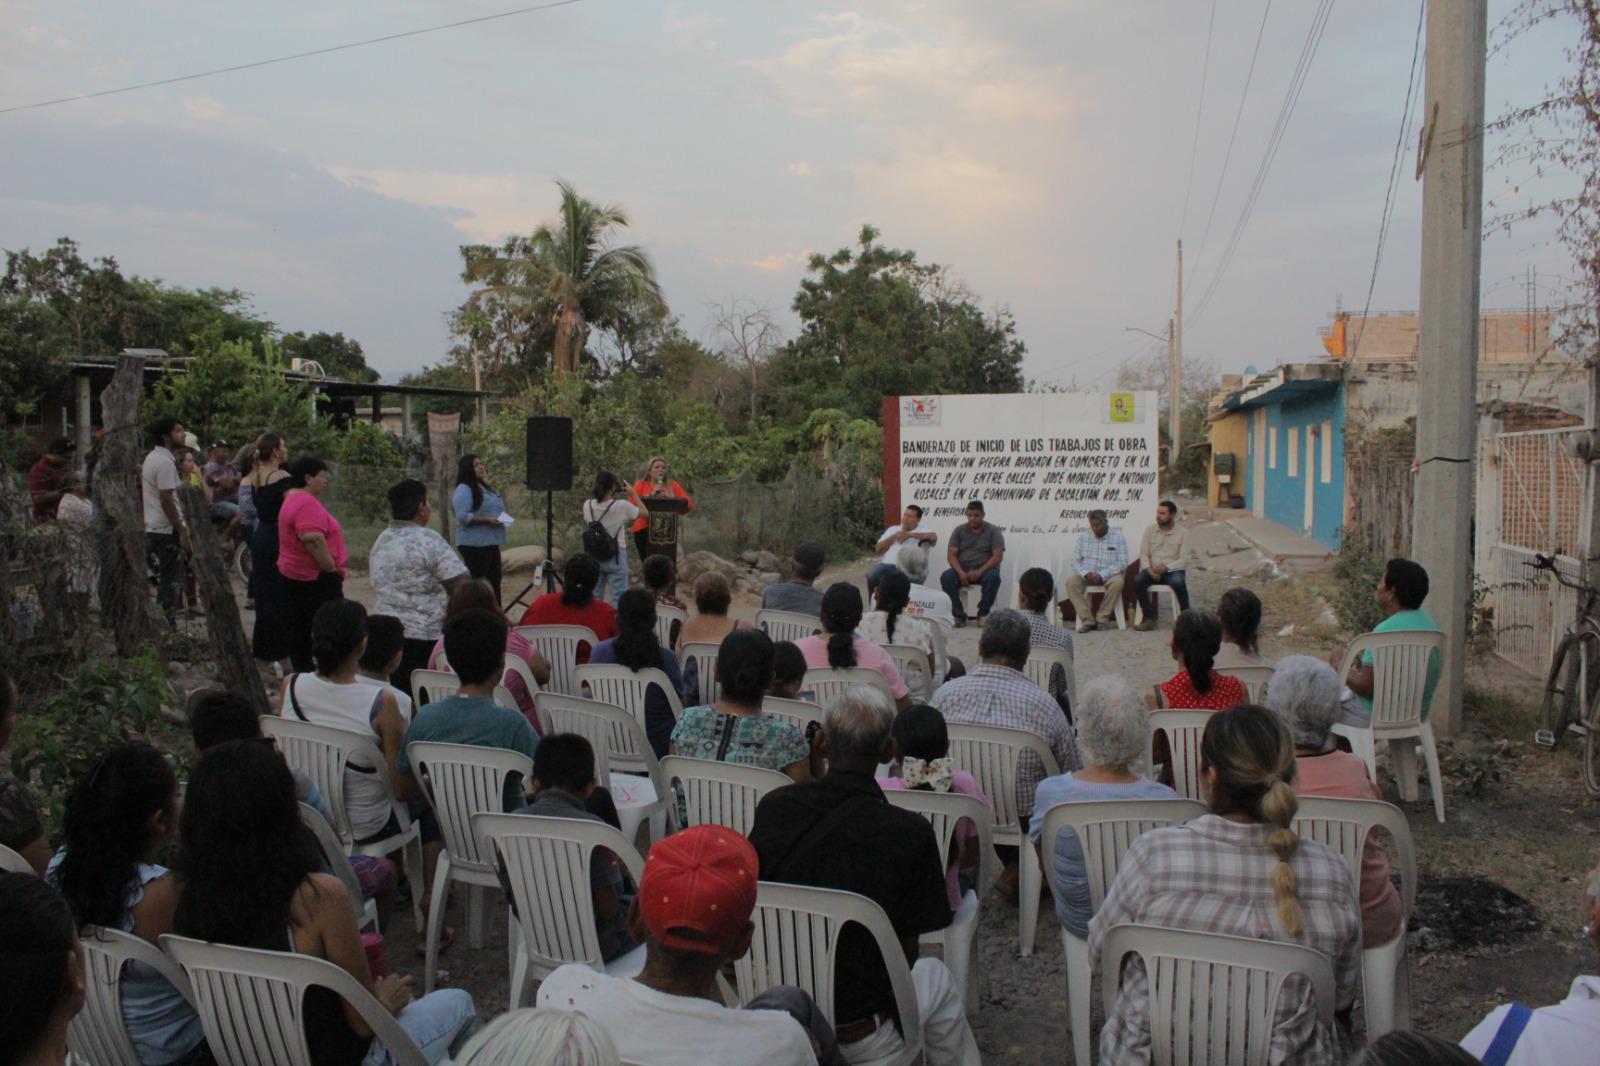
pixel 919 410
pixel 1122 407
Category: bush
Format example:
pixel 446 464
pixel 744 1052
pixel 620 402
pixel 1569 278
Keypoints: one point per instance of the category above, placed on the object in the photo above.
pixel 1356 571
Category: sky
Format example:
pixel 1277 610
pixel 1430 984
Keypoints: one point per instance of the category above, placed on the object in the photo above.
pixel 1040 148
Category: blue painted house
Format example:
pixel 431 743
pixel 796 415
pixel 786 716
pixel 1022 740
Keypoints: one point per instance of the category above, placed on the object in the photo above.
pixel 1294 447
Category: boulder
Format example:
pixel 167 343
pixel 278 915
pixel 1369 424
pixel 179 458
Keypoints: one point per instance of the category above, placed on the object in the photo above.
pixel 691 566
pixel 525 559
pixel 759 560
pixel 769 577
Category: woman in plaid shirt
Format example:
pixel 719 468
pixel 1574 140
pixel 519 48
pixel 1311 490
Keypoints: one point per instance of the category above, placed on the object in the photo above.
pixel 1239 870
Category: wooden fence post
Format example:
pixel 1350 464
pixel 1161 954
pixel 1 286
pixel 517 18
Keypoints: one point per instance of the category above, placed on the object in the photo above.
pixel 124 587
pixel 235 666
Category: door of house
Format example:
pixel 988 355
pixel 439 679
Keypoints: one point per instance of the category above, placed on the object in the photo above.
pixel 1258 472
pixel 1312 433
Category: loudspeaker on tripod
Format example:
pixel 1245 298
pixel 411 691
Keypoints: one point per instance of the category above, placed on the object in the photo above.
pixel 549 453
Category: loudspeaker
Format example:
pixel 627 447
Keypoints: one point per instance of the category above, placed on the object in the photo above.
pixel 549 453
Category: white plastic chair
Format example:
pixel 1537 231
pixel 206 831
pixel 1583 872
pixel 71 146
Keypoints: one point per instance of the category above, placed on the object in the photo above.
pixel 323 753
pixel 339 865
pixel 431 686
pixel 1254 678
pixel 559 646
pixel 1105 830
pixel 626 688
pixel 668 616
pixel 251 1003
pixel 1042 663
pixel 827 684
pixel 1399 700
pixel 13 863
pixel 914 670
pixel 945 811
pixel 545 862
pixel 1212 997
pixel 516 664
pixel 1183 730
pixel 788 625
pixel 624 763
pixel 795 942
pixel 719 793
pixel 990 754
pixel 1154 592
pixel 97 1035
pixel 1118 609
pixel 1344 826
pixel 798 713
pixel 941 656
pixel 460 780
pixel 704 656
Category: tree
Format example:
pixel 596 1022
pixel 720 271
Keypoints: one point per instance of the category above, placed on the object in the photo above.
pixel 875 323
pixel 568 280
pixel 746 336
pixel 225 392
pixel 339 356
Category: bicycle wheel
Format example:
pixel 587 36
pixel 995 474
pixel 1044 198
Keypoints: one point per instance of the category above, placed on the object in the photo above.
pixel 1591 749
pixel 1562 700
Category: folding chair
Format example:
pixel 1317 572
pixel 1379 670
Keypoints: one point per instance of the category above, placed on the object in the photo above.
pixel 624 763
pixel 97 1035
pixel 1105 831
pixel 788 625
pixel 559 645
pixel 719 793
pixel 1400 663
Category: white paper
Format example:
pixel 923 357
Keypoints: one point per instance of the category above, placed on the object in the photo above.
pixel 505 519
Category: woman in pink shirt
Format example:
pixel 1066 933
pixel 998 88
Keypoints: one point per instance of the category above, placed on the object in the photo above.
pixel 923 762
pixel 1304 692
pixel 839 648
pixel 311 554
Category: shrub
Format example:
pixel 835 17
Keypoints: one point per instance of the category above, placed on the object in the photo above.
pixel 1356 571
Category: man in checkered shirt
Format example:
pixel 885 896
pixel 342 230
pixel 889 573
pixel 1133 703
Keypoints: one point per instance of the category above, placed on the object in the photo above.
pixel 1099 558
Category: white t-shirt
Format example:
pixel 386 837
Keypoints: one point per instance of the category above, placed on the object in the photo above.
pixel 352 707
pixel 663 1030
pixel 160 471
pixel 1566 1032
pixel 932 604
pixel 614 516
pixel 891 554
pixel 399 697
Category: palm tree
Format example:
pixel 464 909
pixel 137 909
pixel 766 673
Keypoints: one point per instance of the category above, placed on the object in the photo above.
pixel 572 275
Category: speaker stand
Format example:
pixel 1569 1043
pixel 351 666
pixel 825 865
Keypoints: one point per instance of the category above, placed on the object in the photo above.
pixel 548 568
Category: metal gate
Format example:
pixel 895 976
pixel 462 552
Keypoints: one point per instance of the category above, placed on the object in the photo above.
pixel 1530 499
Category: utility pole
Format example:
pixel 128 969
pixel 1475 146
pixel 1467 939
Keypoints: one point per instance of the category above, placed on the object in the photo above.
pixel 1451 167
pixel 1175 367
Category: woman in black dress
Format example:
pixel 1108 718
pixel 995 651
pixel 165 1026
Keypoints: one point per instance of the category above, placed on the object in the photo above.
pixel 269 481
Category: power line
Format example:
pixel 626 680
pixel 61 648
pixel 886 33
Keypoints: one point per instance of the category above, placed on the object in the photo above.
pixel 1199 111
pixel 1393 186
pixel 1297 81
pixel 1228 155
pixel 285 59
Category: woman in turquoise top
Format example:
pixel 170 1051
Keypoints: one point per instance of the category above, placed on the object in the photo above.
pixel 479 531
pixel 733 729
pixel 118 818
pixel 1399 593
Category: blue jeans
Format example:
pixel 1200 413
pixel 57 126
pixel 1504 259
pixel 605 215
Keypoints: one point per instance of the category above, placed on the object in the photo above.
pixel 613 578
pixel 989 584
pixel 434 1022
pixel 1173 579
pixel 875 574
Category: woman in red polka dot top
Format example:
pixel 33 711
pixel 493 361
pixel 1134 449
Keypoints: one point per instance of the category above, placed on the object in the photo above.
pixel 1196 639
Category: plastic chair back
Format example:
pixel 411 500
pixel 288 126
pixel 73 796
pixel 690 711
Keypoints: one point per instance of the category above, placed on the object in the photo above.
pixel 97 1036
pixel 338 862
pixel 13 863
pixel 461 780
pixel 626 688
pixel 545 866
pixel 797 937
pixel 618 740
pixel 990 754
pixel 1041 665
pixel 945 811
pixel 251 1003
pixel 323 753
pixel 1183 730
pixel 798 713
pixel 1254 678
pixel 1213 997
pixel 669 622
pixel 559 646
pixel 941 657
pixel 720 793
pixel 1400 663
pixel 913 666
pixel 431 686
pixel 827 684
pixel 516 664
pixel 788 625
pixel 1106 829
pixel 1345 826
pixel 704 656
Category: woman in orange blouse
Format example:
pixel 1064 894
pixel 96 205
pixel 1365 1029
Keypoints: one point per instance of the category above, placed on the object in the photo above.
pixel 653 481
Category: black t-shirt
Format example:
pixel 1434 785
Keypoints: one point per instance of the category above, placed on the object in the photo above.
pixel 881 852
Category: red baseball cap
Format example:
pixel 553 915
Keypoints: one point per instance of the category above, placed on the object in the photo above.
pixel 700 881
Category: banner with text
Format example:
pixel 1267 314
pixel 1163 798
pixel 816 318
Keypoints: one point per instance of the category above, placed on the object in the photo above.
pixel 1040 462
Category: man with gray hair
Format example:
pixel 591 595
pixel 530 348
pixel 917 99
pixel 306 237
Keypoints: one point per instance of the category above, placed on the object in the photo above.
pixel 1099 558
pixel 839 832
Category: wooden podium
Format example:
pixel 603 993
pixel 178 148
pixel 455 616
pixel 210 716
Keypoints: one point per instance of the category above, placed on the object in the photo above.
pixel 665 529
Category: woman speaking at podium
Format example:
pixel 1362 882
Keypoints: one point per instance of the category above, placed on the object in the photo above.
pixel 653 481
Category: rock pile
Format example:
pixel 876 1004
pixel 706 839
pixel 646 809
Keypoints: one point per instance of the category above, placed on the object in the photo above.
pixel 753 571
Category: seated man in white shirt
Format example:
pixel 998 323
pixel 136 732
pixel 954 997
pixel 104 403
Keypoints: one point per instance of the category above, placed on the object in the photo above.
pixel 693 915
pixel 896 539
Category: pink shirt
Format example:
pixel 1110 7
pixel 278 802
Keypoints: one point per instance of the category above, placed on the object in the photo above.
pixel 1343 775
pixel 303 513
pixel 815 650
pixel 967 785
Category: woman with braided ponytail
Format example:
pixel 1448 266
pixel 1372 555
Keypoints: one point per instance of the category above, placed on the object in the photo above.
pixel 1241 871
pixel 839 648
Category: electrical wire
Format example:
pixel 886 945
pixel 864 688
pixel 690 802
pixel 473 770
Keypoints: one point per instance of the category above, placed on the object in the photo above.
pixel 1297 81
pixel 1199 112
pixel 1393 187
pixel 285 59
pixel 1228 155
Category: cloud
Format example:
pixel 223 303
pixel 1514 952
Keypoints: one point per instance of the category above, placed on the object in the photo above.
pixel 485 207
pixel 777 262
pixel 689 32
pixel 801 169
pixel 202 108
pixel 33 34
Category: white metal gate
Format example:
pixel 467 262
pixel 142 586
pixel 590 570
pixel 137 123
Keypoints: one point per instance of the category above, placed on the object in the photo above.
pixel 1530 500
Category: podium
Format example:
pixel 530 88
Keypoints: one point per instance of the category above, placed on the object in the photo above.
pixel 665 529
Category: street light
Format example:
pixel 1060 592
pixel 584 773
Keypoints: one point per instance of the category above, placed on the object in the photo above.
pixel 1174 385
pixel 1147 333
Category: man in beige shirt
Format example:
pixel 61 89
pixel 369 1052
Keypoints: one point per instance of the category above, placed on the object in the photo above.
pixel 1163 555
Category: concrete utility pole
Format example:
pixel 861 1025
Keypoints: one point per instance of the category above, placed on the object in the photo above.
pixel 1175 368
pixel 1451 165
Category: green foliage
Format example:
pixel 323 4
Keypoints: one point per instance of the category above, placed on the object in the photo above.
pixel 1475 773
pixel 1356 571
pixel 105 702
pixel 339 357
pixel 225 391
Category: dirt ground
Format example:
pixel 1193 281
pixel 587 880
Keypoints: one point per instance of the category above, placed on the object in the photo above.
pixel 1533 833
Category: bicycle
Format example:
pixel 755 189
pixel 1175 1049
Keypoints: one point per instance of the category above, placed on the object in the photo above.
pixel 1572 676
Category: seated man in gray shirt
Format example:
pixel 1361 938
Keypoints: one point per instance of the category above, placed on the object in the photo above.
pixel 976 550
pixel 798 594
